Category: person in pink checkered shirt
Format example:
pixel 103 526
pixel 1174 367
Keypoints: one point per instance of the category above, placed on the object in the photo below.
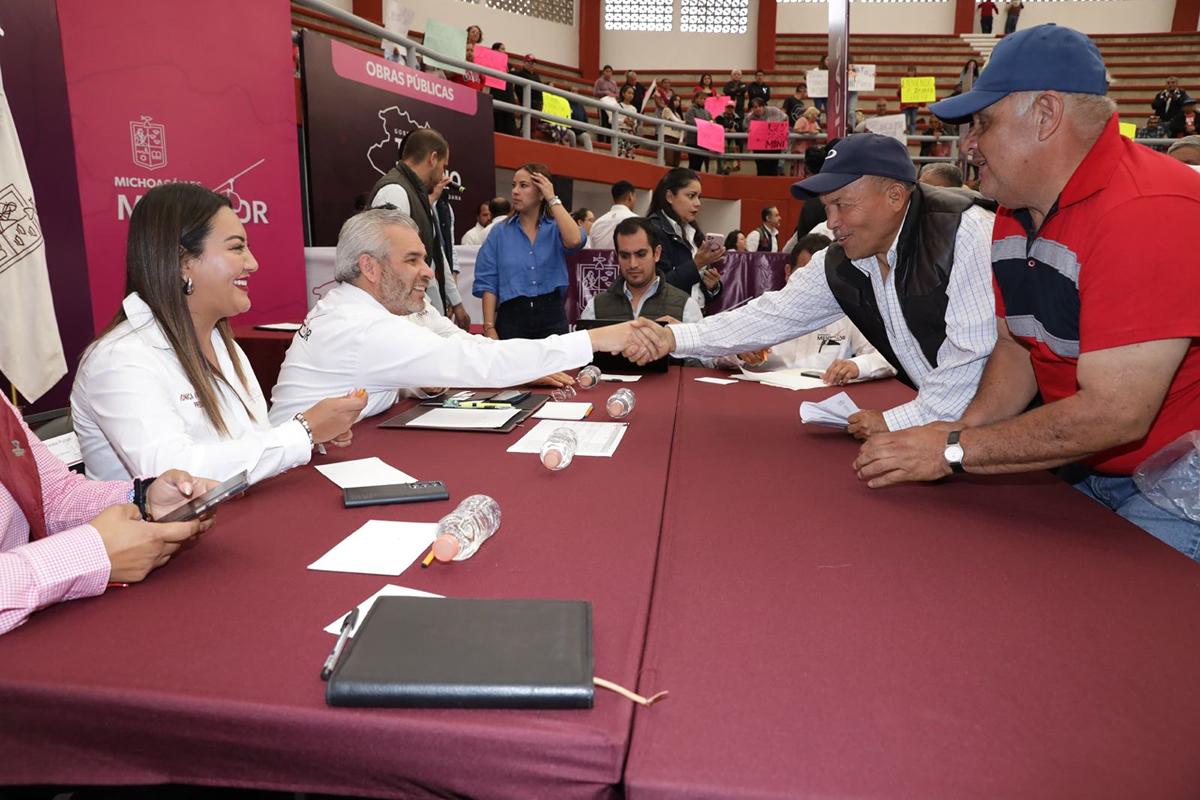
pixel 63 536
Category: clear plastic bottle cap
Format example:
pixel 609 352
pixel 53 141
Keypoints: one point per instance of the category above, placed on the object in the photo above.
pixel 445 547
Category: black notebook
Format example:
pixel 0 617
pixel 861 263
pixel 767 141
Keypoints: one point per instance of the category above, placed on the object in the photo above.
pixel 421 652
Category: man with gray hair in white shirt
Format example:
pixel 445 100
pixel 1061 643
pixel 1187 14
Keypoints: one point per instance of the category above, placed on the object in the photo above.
pixel 376 331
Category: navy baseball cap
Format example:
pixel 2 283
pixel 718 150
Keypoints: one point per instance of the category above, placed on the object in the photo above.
pixel 855 156
pixel 1044 57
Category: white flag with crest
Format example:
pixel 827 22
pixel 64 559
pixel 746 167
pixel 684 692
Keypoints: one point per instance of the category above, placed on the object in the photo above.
pixel 31 353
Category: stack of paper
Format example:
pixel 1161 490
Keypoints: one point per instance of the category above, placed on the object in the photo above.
pixel 465 417
pixel 784 379
pixel 555 410
pixel 833 411
pixel 594 438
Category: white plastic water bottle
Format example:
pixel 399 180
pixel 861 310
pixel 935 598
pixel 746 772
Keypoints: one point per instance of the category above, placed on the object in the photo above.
pixel 559 449
pixel 620 404
pixel 460 532
pixel 588 377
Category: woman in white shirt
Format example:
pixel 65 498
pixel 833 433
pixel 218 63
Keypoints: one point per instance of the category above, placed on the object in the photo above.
pixel 165 383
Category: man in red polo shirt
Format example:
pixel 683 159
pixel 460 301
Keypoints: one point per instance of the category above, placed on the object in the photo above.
pixel 1102 330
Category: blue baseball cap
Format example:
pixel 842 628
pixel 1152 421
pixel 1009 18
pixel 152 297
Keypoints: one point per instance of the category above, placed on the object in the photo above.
pixel 855 156
pixel 1044 57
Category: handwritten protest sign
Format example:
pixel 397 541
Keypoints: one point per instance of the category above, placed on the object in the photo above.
pixel 918 90
pixel 767 135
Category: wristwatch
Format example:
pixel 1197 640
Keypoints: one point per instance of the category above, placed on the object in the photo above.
pixel 953 452
pixel 553 201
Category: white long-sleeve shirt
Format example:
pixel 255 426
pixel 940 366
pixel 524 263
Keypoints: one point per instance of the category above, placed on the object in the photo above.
pixel 754 238
pixel 349 340
pixel 136 413
pixel 838 341
pixel 601 237
pixel 806 304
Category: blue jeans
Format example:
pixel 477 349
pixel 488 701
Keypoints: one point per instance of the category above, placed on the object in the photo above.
pixel 1122 496
pixel 910 120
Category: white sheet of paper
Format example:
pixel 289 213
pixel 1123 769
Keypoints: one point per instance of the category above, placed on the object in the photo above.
pixel 594 438
pixel 834 411
pixel 718 381
pixel 465 417
pixel 623 378
pixel 553 410
pixel 290 327
pixel 389 590
pixel 380 547
pixel 371 471
pixel 66 447
pixel 784 379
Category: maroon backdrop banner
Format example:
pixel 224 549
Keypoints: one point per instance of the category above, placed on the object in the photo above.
pixel 201 92
pixel 358 109
pixel 744 275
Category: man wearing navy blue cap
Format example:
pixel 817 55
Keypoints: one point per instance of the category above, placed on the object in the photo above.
pixel 909 266
pixel 1105 333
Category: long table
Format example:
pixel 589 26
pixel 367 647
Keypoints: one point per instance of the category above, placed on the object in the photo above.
pixel 207 673
pixel 992 637
pixel 983 637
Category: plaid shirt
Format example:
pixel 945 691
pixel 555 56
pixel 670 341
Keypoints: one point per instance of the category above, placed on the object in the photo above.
pixel 69 563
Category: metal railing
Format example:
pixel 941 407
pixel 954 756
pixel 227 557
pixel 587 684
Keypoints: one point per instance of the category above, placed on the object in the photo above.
pixel 412 50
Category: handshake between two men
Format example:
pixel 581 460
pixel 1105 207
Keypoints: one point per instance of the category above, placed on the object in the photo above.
pixel 644 340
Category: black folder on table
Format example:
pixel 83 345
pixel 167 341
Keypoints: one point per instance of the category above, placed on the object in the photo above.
pixel 525 409
pixel 423 652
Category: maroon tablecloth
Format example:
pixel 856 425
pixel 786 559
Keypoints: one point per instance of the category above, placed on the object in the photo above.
pixel 985 637
pixel 208 671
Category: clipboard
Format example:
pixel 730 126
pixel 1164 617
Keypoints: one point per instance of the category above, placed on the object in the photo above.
pixel 526 409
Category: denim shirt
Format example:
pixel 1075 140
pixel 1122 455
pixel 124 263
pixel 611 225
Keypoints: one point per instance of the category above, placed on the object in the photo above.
pixel 509 265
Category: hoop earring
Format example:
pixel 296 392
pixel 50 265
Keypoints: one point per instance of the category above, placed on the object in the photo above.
pixel 187 286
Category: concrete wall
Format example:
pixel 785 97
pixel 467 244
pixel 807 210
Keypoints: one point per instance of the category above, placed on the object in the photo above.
pixel 1107 16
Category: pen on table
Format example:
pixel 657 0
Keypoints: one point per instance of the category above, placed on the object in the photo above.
pixel 347 627
pixel 483 404
pixel 428 559
pixel 117 585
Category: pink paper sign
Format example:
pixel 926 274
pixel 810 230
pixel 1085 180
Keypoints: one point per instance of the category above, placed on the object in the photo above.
pixel 493 59
pixel 767 135
pixel 710 136
pixel 716 105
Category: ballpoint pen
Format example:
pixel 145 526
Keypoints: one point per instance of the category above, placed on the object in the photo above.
pixel 347 628
pixel 482 404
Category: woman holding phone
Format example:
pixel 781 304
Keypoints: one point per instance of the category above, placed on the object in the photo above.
pixel 165 384
pixel 687 256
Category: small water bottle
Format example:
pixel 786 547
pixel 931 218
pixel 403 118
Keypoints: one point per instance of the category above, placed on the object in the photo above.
pixel 620 404
pixel 562 394
pixel 588 377
pixel 559 449
pixel 460 532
